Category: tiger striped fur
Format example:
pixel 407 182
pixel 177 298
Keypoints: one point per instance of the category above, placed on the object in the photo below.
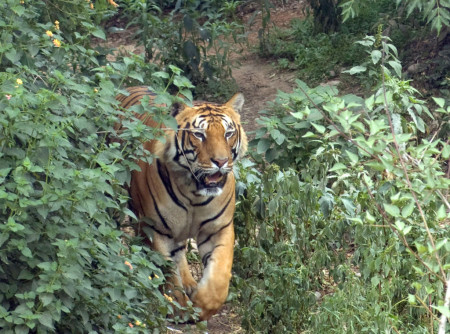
pixel 189 192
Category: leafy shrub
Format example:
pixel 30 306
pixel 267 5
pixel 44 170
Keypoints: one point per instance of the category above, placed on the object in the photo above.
pixel 196 37
pixel 435 13
pixel 286 241
pixel 359 216
pixel 64 265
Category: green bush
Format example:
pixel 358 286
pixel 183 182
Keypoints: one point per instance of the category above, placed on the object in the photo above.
pixel 195 36
pixel 353 236
pixel 64 266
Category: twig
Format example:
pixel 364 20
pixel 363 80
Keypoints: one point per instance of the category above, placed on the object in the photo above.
pixel 443 320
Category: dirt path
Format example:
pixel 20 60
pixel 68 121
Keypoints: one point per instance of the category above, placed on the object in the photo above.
pixel 256 77
pixel 259 81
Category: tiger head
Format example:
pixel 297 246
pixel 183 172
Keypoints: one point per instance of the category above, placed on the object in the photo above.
pixel 210 138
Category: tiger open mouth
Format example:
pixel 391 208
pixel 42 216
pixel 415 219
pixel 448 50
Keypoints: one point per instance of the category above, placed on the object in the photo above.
pixel 213 179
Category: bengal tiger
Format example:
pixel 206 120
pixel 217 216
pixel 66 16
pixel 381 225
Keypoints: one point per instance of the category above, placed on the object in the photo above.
pixel 188 191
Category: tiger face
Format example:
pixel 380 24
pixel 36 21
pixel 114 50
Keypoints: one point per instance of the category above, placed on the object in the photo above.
pixel 208 142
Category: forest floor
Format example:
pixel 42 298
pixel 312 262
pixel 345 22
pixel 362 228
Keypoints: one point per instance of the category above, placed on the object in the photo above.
pixel 259 81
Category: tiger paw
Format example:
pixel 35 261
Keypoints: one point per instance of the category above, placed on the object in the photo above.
pixel 189 285
pixel 209 300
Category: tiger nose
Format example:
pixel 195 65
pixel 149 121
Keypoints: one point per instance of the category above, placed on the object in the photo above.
pixel 220 162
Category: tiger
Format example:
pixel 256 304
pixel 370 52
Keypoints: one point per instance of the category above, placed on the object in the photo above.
pixel 188 191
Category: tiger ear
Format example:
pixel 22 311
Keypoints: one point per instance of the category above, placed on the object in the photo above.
pixel 176 108
pixel 236 102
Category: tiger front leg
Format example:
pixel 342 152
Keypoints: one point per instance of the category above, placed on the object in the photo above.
pixel 216 251
pixel 180 282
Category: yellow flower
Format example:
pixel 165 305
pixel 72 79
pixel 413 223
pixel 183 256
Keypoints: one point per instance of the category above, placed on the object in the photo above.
pixel 170 299
pixel 156 276
pixel 95 90
pixel 150 278
pixel 57 42
pixel 138 323
pixel 111 2
pixel 19 81
pixel 49 33
pixel 57 25
pixel 129 265
pixel 91 5
pixel 119 316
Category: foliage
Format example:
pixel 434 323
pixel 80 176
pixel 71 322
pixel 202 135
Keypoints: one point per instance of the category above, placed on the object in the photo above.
pixel 264 8
pixel 326 14
pixel 359 216
pixel 285 243
pixel 435 12
pixel 318 56
pixel 196 37
pixel 63 264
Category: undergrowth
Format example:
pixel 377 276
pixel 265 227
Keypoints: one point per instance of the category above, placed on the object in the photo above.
pixel 343 217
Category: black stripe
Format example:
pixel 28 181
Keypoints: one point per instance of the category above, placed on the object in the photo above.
pixel 190 202
pixel 216 216
pixel 205 258
pixel 159 232
pixel 208 255
pixel 205 202
pixel 131 100
pixel 162 171
pixel 157 209
pixel 213 234
pixel 135 95
pixel 179 154
pixel 176 250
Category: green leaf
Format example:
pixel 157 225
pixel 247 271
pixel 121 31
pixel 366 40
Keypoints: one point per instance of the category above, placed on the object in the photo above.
pixel 309 134
pixel 137 76
pixel 99 33
pixel 443 310
pixel 161 74
pixel 3 237
pixel 13 55
pixel 355 70
pixel 396 66
pixel 353 157
pixel 393 210
pixel 376 56
pixel 439 101
pixel 263 145
pixel 408 209
pixel 26 252
pixel 176 70
pixel 320 128
pixel 19 10
pixel 441 243
pixel 375 165
pixel 46 298
pixel 445 151
pixel 338 166
pixel 46 320
pixel 272 154
pixel 441 214
pixel 400 225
